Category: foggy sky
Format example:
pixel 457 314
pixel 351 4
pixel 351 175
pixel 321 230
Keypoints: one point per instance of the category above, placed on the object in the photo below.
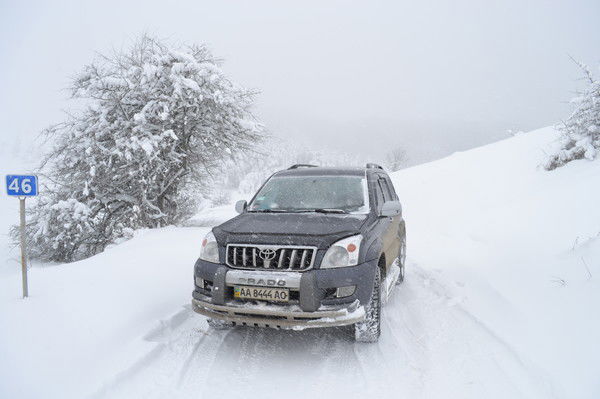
pixel 431 76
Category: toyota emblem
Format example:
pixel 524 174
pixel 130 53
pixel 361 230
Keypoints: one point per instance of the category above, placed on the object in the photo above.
pixel 267 254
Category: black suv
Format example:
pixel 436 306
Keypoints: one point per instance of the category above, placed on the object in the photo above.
pixel 315 247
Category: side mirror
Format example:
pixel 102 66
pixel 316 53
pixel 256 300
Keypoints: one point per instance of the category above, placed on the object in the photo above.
pixel 240 206
pixel 391 209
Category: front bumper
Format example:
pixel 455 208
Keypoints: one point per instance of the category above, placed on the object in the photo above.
pixel 311 301
pixel 278 316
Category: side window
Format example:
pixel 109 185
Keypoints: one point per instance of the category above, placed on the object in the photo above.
pixel 378 193
pixel 387 196
pixel 391 188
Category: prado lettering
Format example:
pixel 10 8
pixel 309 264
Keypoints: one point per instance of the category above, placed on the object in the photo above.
pixel 268 282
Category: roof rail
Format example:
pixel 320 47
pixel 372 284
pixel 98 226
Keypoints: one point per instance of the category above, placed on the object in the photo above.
pixel 302 165
pixel 373 166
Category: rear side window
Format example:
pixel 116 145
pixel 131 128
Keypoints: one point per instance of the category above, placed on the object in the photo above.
pixel 388 194
pixel 391 188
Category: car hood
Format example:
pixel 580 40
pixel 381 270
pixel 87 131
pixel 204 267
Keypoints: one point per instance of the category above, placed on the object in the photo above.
pixel 289 228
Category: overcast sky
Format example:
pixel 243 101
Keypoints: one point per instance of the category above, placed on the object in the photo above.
pixel 431 76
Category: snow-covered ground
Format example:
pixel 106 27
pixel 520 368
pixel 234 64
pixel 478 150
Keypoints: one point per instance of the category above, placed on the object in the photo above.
pixel 518 249
pixel 501 301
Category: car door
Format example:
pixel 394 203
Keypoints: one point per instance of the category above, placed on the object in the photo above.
pixel 392 234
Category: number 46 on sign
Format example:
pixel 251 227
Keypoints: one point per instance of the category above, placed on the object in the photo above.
pixel 21 185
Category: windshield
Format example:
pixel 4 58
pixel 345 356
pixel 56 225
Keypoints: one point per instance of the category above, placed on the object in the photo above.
pixel 347 194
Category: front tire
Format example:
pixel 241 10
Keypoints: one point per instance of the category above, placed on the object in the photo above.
pixel 369 330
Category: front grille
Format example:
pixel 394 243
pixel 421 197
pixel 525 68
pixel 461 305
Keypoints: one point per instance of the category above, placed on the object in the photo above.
pixel 270 257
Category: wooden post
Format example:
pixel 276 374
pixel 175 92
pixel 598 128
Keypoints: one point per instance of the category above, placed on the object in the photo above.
pixel 23 249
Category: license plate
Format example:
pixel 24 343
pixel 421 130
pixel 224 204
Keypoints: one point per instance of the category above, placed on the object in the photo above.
pixel 261 293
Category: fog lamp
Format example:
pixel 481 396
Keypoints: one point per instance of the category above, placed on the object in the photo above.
pixel 343 292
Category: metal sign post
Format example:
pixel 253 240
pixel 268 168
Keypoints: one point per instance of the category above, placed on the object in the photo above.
pixel 23 248
pixel 22 186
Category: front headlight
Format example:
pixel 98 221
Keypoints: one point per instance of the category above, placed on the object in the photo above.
pixel 210 248
pixel 342 253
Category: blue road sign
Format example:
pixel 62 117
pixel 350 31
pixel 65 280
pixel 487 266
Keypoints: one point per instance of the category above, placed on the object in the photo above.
pixel 21 185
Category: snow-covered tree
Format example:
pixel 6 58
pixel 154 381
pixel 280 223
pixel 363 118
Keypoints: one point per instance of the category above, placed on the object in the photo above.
pixel 581 131
pixel 396 159
pixel 157 120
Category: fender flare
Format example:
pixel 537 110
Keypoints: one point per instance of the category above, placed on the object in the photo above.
pixel 373 250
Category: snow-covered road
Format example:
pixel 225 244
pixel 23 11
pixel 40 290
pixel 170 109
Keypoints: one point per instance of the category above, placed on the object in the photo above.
pixel 430 347
pixel 117 345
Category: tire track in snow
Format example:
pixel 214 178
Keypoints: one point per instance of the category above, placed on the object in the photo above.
pixel 107 389
pixel 159 372
pixel 484 348
pixel 188 361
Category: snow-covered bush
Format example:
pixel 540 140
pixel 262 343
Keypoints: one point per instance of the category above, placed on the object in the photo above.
pixel 157 121
pixel 219 196
pixel 581 131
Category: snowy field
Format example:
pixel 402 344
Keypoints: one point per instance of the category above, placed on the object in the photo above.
pixel 501 301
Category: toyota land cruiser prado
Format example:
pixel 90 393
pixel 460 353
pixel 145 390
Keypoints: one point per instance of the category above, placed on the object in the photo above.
pixel 315 247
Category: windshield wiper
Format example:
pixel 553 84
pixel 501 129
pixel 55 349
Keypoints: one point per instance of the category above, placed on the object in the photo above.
pixel 318 210
pixel 329 210
pixel 272 211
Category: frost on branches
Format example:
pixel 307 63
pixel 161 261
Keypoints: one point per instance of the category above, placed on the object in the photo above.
pixel 581 131
pixel 157 121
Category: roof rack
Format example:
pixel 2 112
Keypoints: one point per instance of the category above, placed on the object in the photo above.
pixel 302 165
pixel 374 166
